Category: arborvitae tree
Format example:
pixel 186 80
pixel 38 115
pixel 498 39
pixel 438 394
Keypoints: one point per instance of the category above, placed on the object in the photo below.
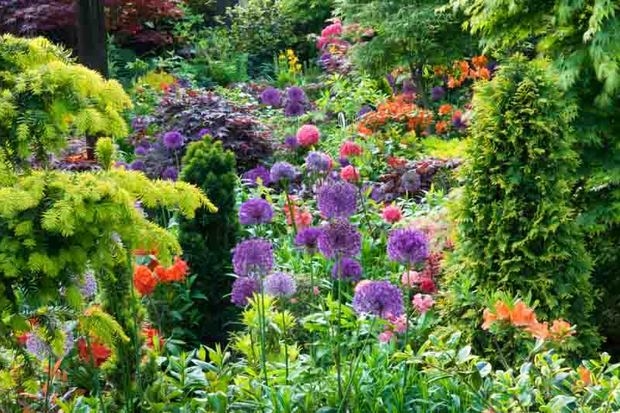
pixel 582 38
pixel 207 239
pixel 517 231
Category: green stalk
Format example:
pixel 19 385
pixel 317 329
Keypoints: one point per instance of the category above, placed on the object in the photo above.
pixel 261 323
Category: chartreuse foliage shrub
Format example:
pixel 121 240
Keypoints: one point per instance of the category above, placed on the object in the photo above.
pixel 208 238
pixel 45 97
pixel 517 231
pixel 583 41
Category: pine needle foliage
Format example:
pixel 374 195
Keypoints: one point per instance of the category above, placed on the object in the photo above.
pixel 517 231
pixel 208 238
pixel 410 33
pixel 46 97
pixel 55 225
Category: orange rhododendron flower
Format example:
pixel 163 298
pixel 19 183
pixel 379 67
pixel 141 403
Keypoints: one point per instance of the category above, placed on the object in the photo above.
pixel 502 311
pixel 561 329
pixel 445 109
pixel 538 330
pixel 479 61
pixel 489 318
pixel 144 280
pixel 585 375
pixel 521 315
pixel 441 127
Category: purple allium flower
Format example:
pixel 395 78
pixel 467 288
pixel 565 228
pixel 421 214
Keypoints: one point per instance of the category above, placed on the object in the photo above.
pixel 411 181
pixel 253 256
pixel 291 143
pixel 296 94
pixel 377 193
pixel 282 171
pixel 140 151
pixel 242 289
pixel 170 173
pixel 172 140
pixel 252 176
pixel 271 97
pixel 137 165
pixel 347 269
pixel 318 162
pixel 88 284
pixel 255 211
pixel 202 132
pixel 407 245
pixel 344 162
pixel 280 284
pixel 339 239
pixel 37 346
pixel 364 110
pixel 337 200
pixel 408 87
pixel 437 93
pixel 294 109
pixel 380 298
pixel 139 123
pixel 308 238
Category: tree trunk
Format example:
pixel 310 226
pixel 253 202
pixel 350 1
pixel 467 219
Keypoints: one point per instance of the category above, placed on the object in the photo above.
pixel 92 47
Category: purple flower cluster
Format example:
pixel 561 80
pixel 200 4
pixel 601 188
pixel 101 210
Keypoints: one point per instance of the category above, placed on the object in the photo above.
pixel 252 176
pixel 318 162
pixel 347 269
pixel 253 256
pixel 437 93
pixel 291 143
pixel 271 97
pixel 379 298
pixel 339 239
pixel 173 140
pixel 408 246
pixel 308 238
pixel 295 102
pixel 88 285
pixel 170 173
pixel 242 289
pixel 337 200
pixel 255 211
pixel 282 172
pixel 280 284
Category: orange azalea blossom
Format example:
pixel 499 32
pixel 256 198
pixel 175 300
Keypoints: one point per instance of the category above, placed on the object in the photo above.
pixel 585 375
pixel 482 73
pixel 396 162
pixel 445 109
pixel 364 130
pixel 441 127
pixel 561 329
pixel 521 315
pixel 479 61
pixel 144 280
pixel 420 121
pixel 538 330
pixel 488 319
pixel 453 83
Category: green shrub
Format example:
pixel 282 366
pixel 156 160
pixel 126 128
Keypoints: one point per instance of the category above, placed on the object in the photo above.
pixel 517 232
pixel 208 238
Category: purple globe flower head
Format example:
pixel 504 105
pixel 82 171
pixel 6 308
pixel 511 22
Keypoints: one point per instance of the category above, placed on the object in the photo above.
pixel 202 132
pixel 252 176
pixel 339 239
pixel 291 143
pixel 140 151
pixel 296 94
pixel 364 110
pixel 408 87
pixel 242 289
pixel 308 238
pixel 344 162
pixel 337 200
pixel 280 284
pixel 271 97
pixel 437 93
pixel 137 165
pixel 347 269
pixel 294 109
pixel 282 172
pixel 253 256
pixel 377 193
pixel 172 140
pixel 407 246
pixel 255 211
pixel 170 173
pixel 379 298
pixel 318 162
pixel 88 284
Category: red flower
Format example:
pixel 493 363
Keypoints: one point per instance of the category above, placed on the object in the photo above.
pixel 391 214
pixel 151 334
pixel 308 135
pixel 427 286
pixel 396 162
pixel 144 280
pixel 350 148
pixel 349 174
pixel 97 353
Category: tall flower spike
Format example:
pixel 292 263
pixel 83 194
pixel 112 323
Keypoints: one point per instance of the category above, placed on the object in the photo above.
pixel 253 256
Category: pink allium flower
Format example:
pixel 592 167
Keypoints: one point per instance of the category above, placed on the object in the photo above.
pixel 410 279
pixel 349 174
pixel 315 290
pixel 308 135
pixel 350 148
pixel 386 336
pixel 391 214
pixel 422 302
pixel 399 324
pixel 334 29
pixel 427 285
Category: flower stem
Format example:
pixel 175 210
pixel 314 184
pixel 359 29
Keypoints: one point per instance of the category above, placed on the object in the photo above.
pixel 261 322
